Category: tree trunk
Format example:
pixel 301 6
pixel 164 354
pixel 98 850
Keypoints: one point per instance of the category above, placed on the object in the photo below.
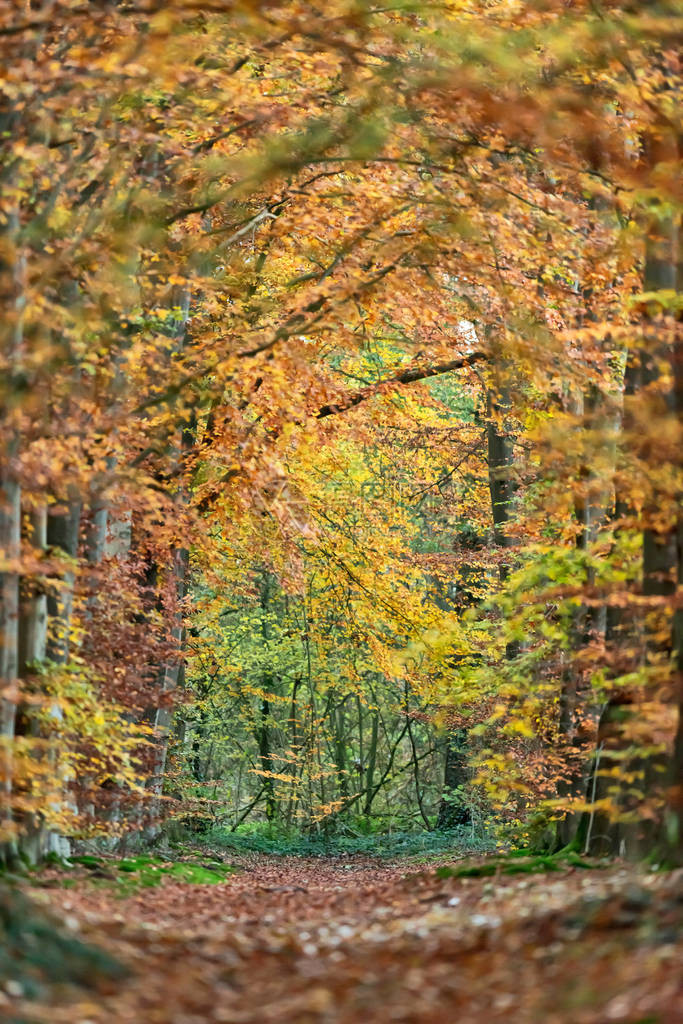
pixel 169 678
pixel 453 810
pixel 339 725
pixel 661 568
pixel 672 842
pixel 10 525
pixel 500 463
pixel 266 757
pixel 632 833
pixel 35 840
pixel 370 791
pixel 12 306
pixel 63 529
pixel 33 608
pixel 578 711
pixel 171 674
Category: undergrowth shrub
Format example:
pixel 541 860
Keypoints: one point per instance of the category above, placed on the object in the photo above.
pixel 266 837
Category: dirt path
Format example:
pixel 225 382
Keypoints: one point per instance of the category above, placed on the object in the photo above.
pixel 357 941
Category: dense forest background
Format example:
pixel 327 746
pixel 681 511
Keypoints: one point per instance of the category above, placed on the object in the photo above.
pixel 342 410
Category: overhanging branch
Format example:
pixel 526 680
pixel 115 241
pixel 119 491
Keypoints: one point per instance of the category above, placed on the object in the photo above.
pixel 410 375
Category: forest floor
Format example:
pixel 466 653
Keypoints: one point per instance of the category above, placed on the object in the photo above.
pixel 356 940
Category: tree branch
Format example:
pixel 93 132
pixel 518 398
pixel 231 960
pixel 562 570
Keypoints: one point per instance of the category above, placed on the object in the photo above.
pixel 410 375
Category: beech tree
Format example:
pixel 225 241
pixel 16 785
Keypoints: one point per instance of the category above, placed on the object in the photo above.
pixel 270 275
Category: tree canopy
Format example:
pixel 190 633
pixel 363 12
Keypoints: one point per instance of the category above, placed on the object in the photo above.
pixel 342 401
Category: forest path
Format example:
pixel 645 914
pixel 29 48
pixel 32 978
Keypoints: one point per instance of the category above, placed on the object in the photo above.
pixel 362 941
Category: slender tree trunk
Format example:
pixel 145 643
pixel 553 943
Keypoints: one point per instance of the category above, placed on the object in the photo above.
pixel 33 623
pixel 295 744
pixel 579 712
pixel 33 609
pixel 171 673
pixel 370 791
pixel 168 680
pixel 10 539
pixel 673 833
pixel 452 809
pixel 673 836
pixel 415 763
pixel 97 532
pixel 63 530
pixel 12 307
pixel 339 725
pixel 198 734
pixel 266 757
pixel 500 462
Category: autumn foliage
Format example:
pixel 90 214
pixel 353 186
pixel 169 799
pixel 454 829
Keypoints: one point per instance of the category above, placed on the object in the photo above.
pixel 342 395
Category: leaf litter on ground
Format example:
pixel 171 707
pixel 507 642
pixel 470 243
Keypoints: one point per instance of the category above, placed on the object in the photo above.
pixel 360 940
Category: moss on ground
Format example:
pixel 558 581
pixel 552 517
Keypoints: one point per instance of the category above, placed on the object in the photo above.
pixel 518 862
pixel 145 871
